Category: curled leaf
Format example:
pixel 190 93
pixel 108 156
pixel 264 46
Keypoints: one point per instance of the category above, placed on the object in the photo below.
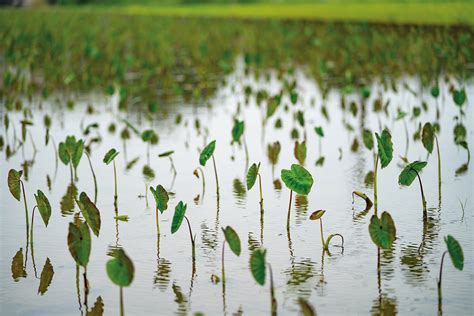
pixel 14 183
pixel 410 172
pixel 252 175
pixel 161 197
pixel 385 147
pixel 43 206
pixel 110 156
pixel 317 215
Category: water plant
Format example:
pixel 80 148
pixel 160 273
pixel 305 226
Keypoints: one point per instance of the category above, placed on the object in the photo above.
pixel 325 243
pixel 408 175
pixel 382 230
pixel 70 152
pixel 362 195
pixel 385 155
pixel 207 153
pixel 273 152
pixel 233 241
pixel 108 158
pixel 252 174
pixel 121 272
pixel 169 154
pixel 16 187
pixel 429 138
pixel 90 212
pixel 258 268
pixel 161 200
pixel 44 207
pixel 296 179
pixel 300 152
pixel 179 215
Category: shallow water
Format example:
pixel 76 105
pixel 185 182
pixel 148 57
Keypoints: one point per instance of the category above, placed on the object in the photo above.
pixel 343 283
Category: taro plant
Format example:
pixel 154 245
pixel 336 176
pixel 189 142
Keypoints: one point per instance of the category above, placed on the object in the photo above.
pixel 382 230
pixel 44 207
pixel 121 271
pixel 207 153
pixel 169 154
pixel 428 138
pixel 300 152
pixel 258 267
pixel 296 179
pixel 16 187
pixel 108 158
pixel 161 200
pixel 179 215
pixel 273 151
pixel 318 215
pixel 385 155
pixel 408 175
pixel 362 195
pixel 457 257
pixel 237 133
pixel 233 240
pixel 70 152
pixel 90 212
pixel 252 174
pixel 151 138
pixel 79 244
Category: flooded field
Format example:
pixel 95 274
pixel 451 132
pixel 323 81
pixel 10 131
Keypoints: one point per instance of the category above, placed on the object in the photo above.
pixel 336 121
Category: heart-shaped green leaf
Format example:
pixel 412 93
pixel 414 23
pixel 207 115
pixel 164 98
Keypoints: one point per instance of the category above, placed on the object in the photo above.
pixel 79 242
pixel 252 175
pixel 120 269
pixel 258 265
pixel 90 212
pixel 14 183
pixel 232 239
pixel 63 154
pixel 455 252
pixel 368 139
pixel 297 179
pixel 179 212
pixel 382 231
pixel 207 152
pixel 46 277
pixel 459 97
pixel 410 172
pixel 149 136
pixel 385 147
pixel 237 131
pixel 77 153
pixel 300 152
pixel 161 197
pixel 427 137
pixel 317 215
pixel 43 206
pixel 110 156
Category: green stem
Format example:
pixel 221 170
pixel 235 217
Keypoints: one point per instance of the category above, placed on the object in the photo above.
pixel 93 176
pixel 289 210
pixel 375 184
pixel 260 185
pixel 322 236
pixel 217 179
pixel 122 313
pixel 26 211
pixel 423 200
pixel 32 225
pixel 440 294
pixel 157 222
pixel 115 181
pixel 222 263
pixel 272 292
pixel 439 168
pixel 192 240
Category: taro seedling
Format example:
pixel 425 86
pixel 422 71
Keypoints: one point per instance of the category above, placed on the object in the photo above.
pixel 428 138
pixel 252 174
pixel 233 240
pixel 273 151
pixel 70 152
pixel 408 175
pixel 169 154
pixel 296 179
pixel 300 152
pixel 207 153
pixel 79 243
pixel 382 230
pixel 237 132
pixel 179 215
pixel 161 200
pixel 42 203
pixel 151 138
pixel 108 158
pixel 258 267
pixel 121 271
pixel 14 182
pixel 457 257
pixel 318 215
pixel 90 212
pixel 385 155
pixel 368 202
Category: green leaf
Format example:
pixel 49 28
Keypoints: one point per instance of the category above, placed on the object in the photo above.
pixel 317 215
pixel 455 252
pixel 297 179
pixel 46 277
pixel 77 153
pixel 90 213
pixel 14 183
pixel 232 239
pixel 79 242
pixel 319 131
pixel 237 131
pixel 368 139
pixel 161 197
pixel 43 206
pixel 252 175
pixel 273 151
pixel 382 231
pixel 207 152
pixel 110 156
pixel 63 154
pixel 385 147
pixel 427 137
pixel 123 218
pixel 178 216
pixel 258 265
pixel 272 106
pixel 459 97
pixel 166 153
pixel 435 91
pixel 410 172
pixel 300 152
pixel 120 269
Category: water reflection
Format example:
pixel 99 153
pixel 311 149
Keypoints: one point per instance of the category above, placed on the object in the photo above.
pixel 17 267
pixel 162 274
pixel 240 192
pixel 301 205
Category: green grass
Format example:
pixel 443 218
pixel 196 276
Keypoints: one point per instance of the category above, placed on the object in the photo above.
pixel 388 12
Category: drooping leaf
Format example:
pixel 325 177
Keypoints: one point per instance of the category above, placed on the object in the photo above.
pixel 410 172
pixel 297 179
pixel 382 231
pixel 161 197
pixel 179 212
pixel 317 215
pixel 300 152
pixel 427 137
pixel 120 269
pixel 385 147
pixel 46 277
pixel 368 139
pixel 258 265
pixel 43 206
pixel 18 269
pixel 97 309
pixel 90 212
pixel 207 152
pixel 110 156
pixel 14 183
pixel 252 175
pixel 238 131
pixel 455 252
pixel 319 131
pixel 232 239
pixel 79 242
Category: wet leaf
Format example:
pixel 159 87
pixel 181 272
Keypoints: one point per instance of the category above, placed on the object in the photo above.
pixel 46 277
pixel 382 231
pixel 427 137
pixel 297 179
pixel 207 152
pixel 18 270
pixel 252 175
pixel 110 156
pixel 410 172
pixel 455 252
pixel 232 239
pixel 179 212
pixel 161 197
pixel 43 206
pixel 120 269
pixel 14 183
pixel 385 147
pixel 368 139
pixel 79 242
pixel 237 131
pixel 317 215
pixel 300 152
pixel 258 265
pixel 90 212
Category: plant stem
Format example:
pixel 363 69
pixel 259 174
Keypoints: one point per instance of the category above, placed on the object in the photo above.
pixel 122 313
pixel 423 201
pixel 260 185
pixel 289 209
pixel 217 180
pixel 439 168
pixel 115 181
pixel 70 170
pixel 222 263
pixel 440 294
pixel 157 222
pixel 26 211
pixel 93 176
pixel 272 292
pixel 192 240
pixel 55 157
pixel 375 184
pixel 322 237
pixel 32 225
